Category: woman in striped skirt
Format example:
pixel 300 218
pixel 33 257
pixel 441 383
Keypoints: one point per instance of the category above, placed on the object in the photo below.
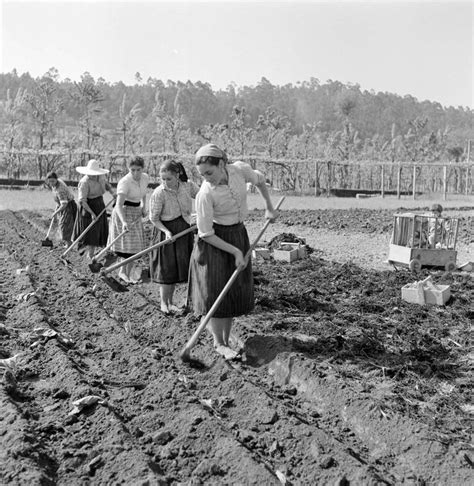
pixel 170 213
pixel 221 207
pixel 91 189
pixel 127 215
pixel 66 207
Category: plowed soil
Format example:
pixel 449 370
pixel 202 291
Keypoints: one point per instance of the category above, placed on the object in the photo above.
pixel 341 381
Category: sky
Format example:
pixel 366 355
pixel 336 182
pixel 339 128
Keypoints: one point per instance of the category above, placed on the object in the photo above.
pixel 418 48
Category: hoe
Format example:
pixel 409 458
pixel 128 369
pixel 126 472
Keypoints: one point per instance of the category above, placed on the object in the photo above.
pixel 47 241
pixel 115 284
pixel 79 238
pixel 95 265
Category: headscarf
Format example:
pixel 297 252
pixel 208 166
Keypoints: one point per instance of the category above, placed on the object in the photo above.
pixel 210 150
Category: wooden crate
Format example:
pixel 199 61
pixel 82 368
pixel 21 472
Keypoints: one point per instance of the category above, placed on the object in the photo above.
pixel 301 248
pixel 285 255
pixel 422 294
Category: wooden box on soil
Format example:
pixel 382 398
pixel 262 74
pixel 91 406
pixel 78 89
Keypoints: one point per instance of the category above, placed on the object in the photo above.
pixel 438 295
pixel 298 246
pixel 285 254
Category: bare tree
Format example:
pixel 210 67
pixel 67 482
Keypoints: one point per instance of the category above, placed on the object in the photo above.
pixel 12 112
pixel 170 125
pixel 44 105
pixel 130 124
pixel 88 97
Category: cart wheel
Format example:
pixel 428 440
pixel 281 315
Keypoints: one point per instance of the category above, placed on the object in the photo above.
pixel 450 267
pixel 415 265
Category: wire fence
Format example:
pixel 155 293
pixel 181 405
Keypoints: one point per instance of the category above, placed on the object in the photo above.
pixel 294 176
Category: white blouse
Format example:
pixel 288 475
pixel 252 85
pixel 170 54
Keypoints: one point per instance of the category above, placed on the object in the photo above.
pixel 226 204
pixel 131 189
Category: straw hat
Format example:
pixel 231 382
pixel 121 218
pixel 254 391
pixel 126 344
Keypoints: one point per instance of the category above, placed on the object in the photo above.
pixel 92 168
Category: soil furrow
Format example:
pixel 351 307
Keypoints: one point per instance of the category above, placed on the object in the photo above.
pixel 166 423
pixel 89 367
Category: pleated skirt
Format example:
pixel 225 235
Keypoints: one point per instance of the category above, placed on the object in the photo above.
pixel 97 235
pixel 133 241
pixel 66 221
pixel 169 264
pixel 210 270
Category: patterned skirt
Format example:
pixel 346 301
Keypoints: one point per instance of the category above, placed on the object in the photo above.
pixel 133 241
pixel 210 270
pixel 170 263
pixel 66 221
pixel 97 235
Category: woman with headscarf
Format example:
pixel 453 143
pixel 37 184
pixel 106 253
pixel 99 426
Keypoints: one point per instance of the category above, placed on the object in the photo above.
pixel 127 214
pixel 91 189
pixel 66 207
pixel 221 207
pixel 170 212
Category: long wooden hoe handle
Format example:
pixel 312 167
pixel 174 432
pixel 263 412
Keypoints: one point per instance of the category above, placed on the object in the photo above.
pixel 185 353
pixel 104 251
pixel 94 221
pixel 147 250
pixel 50 227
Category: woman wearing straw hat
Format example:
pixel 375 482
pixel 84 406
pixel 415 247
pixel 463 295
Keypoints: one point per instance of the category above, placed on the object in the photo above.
pixel 221 208
pixel 130 207
pixel 66 207
pixel 91 189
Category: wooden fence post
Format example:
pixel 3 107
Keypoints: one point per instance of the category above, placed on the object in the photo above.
pixel 445 182
pixel 315 178
pixel 399 181
pixel 382 181
pixel 414 181
pixel 328 180
pixel 467 181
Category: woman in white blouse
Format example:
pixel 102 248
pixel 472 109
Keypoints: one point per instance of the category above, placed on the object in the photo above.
pixel 130 207
pixel 170 213
pixel 221 207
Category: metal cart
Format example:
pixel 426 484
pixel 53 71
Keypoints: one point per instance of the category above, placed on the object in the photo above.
pixel 420 240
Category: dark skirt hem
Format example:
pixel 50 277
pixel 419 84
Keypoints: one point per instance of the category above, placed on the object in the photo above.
pixel 170 264
pixel 98 234
pixel 67 220
pixel 211 269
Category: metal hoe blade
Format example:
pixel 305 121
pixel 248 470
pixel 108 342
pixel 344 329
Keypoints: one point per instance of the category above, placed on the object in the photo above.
pixel 114 284
pixel 95 267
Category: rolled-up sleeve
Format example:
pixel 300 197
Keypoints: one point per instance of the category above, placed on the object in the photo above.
pixel 205 214
pixel 156 206
pixel 82 191
pixel 255 177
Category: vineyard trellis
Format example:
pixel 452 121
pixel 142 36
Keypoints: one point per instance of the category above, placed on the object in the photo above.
pixel 297 176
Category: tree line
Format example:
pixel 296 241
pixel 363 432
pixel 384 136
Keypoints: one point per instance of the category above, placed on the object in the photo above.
pixel 307 120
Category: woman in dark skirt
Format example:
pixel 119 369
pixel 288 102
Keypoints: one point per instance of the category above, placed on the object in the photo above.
pixel 221 207
pixel 66 207
pixel 91 189
pixel 170 213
